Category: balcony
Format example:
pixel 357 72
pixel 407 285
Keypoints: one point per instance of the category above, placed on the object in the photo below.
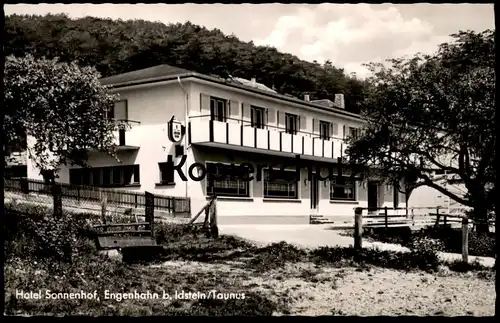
pixel 127 135
pixel 239 135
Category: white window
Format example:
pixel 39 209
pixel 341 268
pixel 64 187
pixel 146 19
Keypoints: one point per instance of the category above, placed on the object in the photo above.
pixel 291 123
pixel 224 180
pixel 280 184
pixel 353 132
pixel 342 188
pixel 218 109
pixel 324 130
pixel 257 117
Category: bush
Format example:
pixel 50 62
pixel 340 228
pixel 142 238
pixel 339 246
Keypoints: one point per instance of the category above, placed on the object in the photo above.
pixel 374 257
pixel 275 254
pixel 426 245
pixel 460 266
pixel 169 232
pixel 33 232
pixel 482 244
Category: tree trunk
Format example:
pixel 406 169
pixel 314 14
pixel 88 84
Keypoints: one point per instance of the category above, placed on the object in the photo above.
pixel 481 218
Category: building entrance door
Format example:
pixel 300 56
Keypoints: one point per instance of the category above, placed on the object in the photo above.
pixel 314 188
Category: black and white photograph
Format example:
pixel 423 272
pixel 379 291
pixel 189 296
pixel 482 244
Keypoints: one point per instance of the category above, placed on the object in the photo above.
pixel 263 159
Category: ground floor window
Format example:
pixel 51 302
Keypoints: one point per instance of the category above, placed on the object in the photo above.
pixel 280 184
pixel 165 175
pixel 225 180
pixel 342 188
pixel 105 176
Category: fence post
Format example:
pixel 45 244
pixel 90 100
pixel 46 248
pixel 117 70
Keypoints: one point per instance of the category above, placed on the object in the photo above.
pixel 25 186
pixel 214 230
pixel 56 193
pixel 149 212
pixel 104 204
pixel 444 218
pixel 136 200
pixel 436 225
pixel 386 220
pixel 358 228
pixel 465 240
pixel 207 214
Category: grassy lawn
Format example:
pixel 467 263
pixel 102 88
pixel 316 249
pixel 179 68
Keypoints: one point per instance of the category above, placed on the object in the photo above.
pixel 279 279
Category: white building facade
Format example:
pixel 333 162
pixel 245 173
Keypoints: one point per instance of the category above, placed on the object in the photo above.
pixel 232 122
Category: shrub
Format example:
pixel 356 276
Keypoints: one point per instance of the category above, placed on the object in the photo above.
pixel 460 266
pixel 275 254
pixel 396 235
pixel 426 244
pixel 374 257
pixel 424 251
pixel 482 244
pixel 33 232
pixel 169 232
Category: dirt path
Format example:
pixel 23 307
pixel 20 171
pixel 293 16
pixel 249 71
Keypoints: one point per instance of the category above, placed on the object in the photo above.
pixel 311 290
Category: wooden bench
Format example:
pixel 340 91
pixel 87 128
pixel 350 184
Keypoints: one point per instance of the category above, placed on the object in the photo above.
pixel 114 239
pixel 119 239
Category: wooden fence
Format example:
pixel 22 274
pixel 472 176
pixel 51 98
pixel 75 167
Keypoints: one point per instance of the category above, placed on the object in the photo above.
pixel 385 219
pixel 416 216
pixel 94 194
pixel 210 222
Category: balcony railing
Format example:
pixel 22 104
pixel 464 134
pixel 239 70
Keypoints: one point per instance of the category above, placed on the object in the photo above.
pixel 126 134
pixel 241 133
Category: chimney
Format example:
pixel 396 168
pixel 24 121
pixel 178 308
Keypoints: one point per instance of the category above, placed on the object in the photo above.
pixel 306 97
pixel 253 81
pixel 339 101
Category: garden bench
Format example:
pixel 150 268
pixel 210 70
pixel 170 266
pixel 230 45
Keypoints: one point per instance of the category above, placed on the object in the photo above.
pixel 108 238
pixel 114 239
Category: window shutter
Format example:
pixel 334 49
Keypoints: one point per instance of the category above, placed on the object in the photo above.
pixel 316 126
pixel 246 114
pixel 343 132
pixel 281 120
pixel 204 104
pixel 120 110
pixel 335 129
pixel 303 122
pixel 234 109
pixel 271 117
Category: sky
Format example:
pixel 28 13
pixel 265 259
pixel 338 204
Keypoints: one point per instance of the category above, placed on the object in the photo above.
pixel 346 34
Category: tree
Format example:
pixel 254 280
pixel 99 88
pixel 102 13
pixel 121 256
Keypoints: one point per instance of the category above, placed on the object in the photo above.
pixel 61 107
pixel 436 112
pixel 116 46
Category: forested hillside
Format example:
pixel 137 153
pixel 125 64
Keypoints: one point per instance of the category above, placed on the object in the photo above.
pixel 115 46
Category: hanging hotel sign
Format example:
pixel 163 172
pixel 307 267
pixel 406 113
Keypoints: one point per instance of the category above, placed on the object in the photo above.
pixel 175 130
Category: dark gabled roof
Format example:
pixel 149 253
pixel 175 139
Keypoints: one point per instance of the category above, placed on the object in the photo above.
pixel 166 72
pixel 147 73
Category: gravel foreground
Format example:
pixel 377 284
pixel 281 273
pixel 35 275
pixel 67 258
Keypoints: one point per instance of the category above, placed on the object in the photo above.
pixel 310 290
